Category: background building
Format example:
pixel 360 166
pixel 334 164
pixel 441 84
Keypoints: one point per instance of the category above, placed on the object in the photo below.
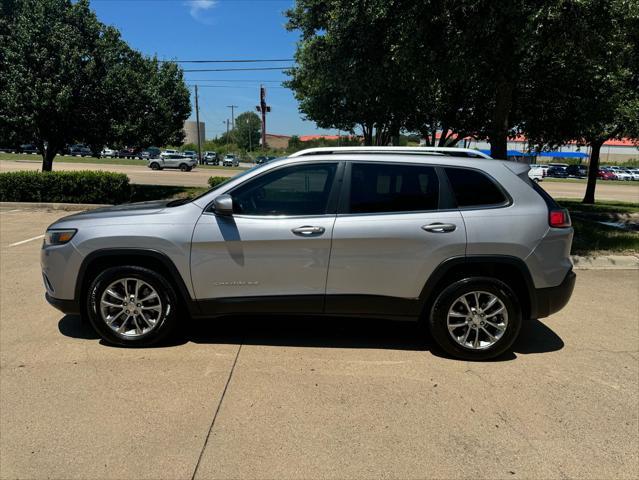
pixel 190 132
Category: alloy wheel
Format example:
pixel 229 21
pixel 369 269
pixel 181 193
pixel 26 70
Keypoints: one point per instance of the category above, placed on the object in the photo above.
pixel 477 320
pixel 130 307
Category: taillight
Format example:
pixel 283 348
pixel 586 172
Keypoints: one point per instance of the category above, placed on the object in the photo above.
pixel 559 218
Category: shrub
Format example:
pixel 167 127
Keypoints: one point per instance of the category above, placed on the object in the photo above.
pixel 65 187
pixel 215 181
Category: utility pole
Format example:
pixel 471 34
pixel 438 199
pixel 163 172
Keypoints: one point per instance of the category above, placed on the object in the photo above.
pixel 232 107
pixel 264 109
pixel 227 130
pixel 250 132
pixel 197 123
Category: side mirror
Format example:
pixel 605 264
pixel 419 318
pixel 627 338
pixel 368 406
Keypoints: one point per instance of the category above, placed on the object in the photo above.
pixel 223 204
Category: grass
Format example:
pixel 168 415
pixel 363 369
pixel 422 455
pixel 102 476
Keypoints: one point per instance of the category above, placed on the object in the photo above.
pixel 96 161
pixel 605 206
pixel 628 183
pixel 594 238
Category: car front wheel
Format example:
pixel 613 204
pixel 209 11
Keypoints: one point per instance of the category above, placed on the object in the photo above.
pixel 131 306
pixel 184 167
pixel 476 318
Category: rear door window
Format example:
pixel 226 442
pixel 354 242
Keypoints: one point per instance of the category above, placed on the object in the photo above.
pixel 473 188
pixel 381 188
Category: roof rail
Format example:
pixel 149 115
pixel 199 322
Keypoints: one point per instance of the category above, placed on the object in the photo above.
pixel 450 151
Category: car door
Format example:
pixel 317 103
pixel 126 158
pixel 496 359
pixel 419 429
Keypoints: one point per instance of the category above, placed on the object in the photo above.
pixel 395 225
pixel 272 254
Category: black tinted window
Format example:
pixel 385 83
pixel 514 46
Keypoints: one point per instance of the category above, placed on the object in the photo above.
pixel 473 188
pixel 301 190
pixel 392 188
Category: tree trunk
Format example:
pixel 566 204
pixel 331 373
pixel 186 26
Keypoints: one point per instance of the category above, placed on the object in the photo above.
pixel 499 128
pixel 48 154
pixel 593 170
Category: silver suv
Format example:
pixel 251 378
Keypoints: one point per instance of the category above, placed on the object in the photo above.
pixel 468 245
pixel 173 160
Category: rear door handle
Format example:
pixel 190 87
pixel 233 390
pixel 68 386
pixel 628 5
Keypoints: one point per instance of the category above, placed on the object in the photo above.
pixel 308 231
pixel 440 227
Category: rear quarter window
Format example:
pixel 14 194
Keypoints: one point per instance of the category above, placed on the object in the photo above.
pixel 473 188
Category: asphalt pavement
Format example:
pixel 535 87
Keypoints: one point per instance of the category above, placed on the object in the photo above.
pixel 306 398
pixel 199 178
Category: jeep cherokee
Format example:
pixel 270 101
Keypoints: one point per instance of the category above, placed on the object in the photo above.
pixel 467 244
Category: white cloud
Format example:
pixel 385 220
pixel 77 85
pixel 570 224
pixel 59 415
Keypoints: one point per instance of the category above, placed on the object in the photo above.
pixel 197 8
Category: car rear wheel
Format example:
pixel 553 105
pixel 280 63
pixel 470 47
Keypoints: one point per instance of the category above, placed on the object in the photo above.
pixel 155 166
pixel 131 306
pixel 476 318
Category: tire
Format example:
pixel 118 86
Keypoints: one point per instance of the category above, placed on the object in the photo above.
pixel 447 302
pixel 155 166
pixel 536 180
pixel 189 169
pixel 184 167
pixel 159 312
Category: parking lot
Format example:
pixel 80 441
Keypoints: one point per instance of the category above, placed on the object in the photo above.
pixel 308 398
pixel 625 192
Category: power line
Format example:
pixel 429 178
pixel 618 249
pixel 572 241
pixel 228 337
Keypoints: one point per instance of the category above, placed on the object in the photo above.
pixel 235 69
pixel 226 86
pixel 229 61
pixel 232 80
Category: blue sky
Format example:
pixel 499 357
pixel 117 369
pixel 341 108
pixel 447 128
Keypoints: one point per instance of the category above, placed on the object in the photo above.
pixel 217 30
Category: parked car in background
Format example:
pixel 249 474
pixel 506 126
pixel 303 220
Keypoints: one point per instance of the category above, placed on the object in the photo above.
pixel 622 174
pixel 108 153
pixel 129 152
pixel 175 160
pixel 190 154
pixel 557 172
pixel 151 152
pixel 606 175
pixel 635 173
pixel 536 173
pixel 210 158
pixel 474 250
pixel 169 152
pixel 230 160
pixel 7 150
pixel 577 171
pixel 29 148
pixel 79 150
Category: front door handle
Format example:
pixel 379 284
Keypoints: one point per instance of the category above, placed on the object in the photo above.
pixel 440 227
pixel 308 231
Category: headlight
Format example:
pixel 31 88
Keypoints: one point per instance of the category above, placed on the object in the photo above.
pixel 58 237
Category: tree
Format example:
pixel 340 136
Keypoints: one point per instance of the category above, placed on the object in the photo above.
pixel 586 87
pixel 68 78
pixel 443 68
pixel 247 131
pixel 346 75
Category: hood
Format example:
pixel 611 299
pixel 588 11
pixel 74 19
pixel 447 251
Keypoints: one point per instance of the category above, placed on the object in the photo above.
pixel 126 209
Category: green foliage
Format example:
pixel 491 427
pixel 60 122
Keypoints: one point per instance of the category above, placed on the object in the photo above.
pixel 67 78
pixel 247 131
pixel 585 57
pixel 215 181
pixel 145 193
pixel 65 187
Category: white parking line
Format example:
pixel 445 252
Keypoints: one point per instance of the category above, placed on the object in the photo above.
pixel 10 211
pixel 25 241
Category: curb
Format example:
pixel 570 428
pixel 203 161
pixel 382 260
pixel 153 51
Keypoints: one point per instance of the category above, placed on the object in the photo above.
pixel 606 262
pixel 68 207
